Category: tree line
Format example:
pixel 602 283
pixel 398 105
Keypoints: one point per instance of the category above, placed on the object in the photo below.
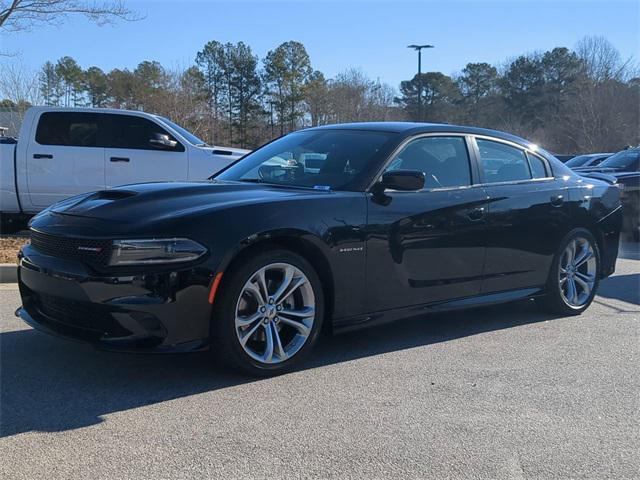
pixel 568 100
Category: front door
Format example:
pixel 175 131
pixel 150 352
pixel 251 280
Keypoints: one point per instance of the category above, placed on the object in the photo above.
pixel 427 246
pixel 131 157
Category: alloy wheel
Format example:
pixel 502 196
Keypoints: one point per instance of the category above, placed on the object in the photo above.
pixel 577 272
pixel 275 313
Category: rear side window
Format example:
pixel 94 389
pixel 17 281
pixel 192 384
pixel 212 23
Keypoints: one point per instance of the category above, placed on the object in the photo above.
pixel 538 167
pixel 502 163
pixel 74 129
pixel 128 131
pixel 444 161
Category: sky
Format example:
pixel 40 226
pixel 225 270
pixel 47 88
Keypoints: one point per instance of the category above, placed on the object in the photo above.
pixel 338 35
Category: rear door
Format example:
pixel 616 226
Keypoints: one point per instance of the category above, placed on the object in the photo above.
pixel 64 157
pixel 527 217
pixel 131 157
pixel 427 246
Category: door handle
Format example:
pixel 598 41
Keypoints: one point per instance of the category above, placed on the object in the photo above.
pixel 42 155
pixel 557 200
pixel 477 214
pixel 119 159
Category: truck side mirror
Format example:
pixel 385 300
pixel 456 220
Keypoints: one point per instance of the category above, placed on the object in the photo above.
pixel 162 141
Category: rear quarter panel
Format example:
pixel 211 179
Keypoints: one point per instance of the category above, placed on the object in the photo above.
pixel 596 206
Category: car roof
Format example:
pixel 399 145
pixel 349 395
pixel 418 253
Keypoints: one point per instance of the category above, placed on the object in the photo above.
pixel 413 128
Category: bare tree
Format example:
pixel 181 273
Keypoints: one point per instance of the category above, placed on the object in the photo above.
pixel 19 83
pixel 18 15
pixel 19 89
pixel 602 60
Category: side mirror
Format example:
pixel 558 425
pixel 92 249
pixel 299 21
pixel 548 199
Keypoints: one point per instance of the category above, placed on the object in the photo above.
pixel 403 180
pixel 162 141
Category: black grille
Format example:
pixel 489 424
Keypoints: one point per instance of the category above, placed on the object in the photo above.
pixel 82 315
pixel 94 251
pixel 73 313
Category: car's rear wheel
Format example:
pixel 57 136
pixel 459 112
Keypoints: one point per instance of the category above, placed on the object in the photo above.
pixel 575 274
pixel 268 313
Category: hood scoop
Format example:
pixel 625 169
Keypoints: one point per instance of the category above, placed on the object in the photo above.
pixel 93 201
pixel 112 195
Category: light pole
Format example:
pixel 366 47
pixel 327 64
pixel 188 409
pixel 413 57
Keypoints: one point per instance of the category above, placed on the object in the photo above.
pixel 419 50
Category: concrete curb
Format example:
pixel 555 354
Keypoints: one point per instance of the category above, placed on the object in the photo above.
pixel 8 273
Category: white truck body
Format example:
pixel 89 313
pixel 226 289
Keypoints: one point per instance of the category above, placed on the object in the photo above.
pixel 62 152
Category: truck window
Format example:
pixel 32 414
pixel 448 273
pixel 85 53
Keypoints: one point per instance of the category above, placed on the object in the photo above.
pixel 68 128
pixel 128 131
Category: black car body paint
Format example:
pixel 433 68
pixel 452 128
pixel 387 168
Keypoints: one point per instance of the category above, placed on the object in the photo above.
pixel 380 256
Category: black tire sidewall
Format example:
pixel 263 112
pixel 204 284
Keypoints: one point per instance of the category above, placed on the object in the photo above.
pixel 554 298
pixel 224 340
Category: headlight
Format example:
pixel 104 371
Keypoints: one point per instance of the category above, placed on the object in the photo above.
pixel 155 251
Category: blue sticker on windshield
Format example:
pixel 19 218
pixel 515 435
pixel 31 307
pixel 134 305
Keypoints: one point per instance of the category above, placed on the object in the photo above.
pixel 321 187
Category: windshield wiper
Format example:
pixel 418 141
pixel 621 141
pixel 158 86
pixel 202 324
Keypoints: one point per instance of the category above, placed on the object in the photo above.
pixel 251 180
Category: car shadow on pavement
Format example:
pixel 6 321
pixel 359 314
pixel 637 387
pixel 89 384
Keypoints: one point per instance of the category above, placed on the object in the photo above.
pixel 49 384
pixel 629 250
pixel 622 287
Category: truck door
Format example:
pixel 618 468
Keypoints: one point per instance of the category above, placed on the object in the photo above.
pixel 64 157
pixel 139 150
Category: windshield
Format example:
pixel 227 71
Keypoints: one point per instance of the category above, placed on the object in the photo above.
pixel 578 161
pixel 624 160
pixel 319 159
pixel 188 136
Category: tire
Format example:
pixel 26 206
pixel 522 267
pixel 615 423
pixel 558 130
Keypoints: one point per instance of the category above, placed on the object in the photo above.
pixel 242 309
pixel 559 296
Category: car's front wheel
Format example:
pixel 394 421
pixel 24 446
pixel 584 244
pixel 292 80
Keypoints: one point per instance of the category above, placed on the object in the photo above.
pixel 268 313
pixel 575 274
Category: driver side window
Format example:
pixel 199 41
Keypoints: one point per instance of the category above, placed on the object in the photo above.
pixel 132 132
pixel 444 161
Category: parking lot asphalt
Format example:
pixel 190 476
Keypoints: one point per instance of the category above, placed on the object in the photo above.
pixel 500 392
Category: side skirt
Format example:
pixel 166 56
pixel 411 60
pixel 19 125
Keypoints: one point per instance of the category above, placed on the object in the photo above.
pixel 342 325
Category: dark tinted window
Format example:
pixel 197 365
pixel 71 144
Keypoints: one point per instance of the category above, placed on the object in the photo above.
pixel 578 161
pixel 444 161
pixel 598 160
pixel 68 128
pixel 502 163
pixel 538 168
pixel 128 131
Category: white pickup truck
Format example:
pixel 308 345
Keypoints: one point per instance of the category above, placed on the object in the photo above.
pixel 62 152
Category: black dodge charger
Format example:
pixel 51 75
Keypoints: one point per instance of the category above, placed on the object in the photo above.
pixel 342 226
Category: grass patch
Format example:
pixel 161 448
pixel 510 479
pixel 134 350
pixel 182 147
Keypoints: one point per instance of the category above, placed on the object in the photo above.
pixel 9 248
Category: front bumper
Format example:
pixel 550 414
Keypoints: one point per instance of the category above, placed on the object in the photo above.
pixel 155 312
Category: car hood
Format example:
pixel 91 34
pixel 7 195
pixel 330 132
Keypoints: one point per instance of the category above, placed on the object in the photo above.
pixel 606 170
pixel 613 172
pixel 151 202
